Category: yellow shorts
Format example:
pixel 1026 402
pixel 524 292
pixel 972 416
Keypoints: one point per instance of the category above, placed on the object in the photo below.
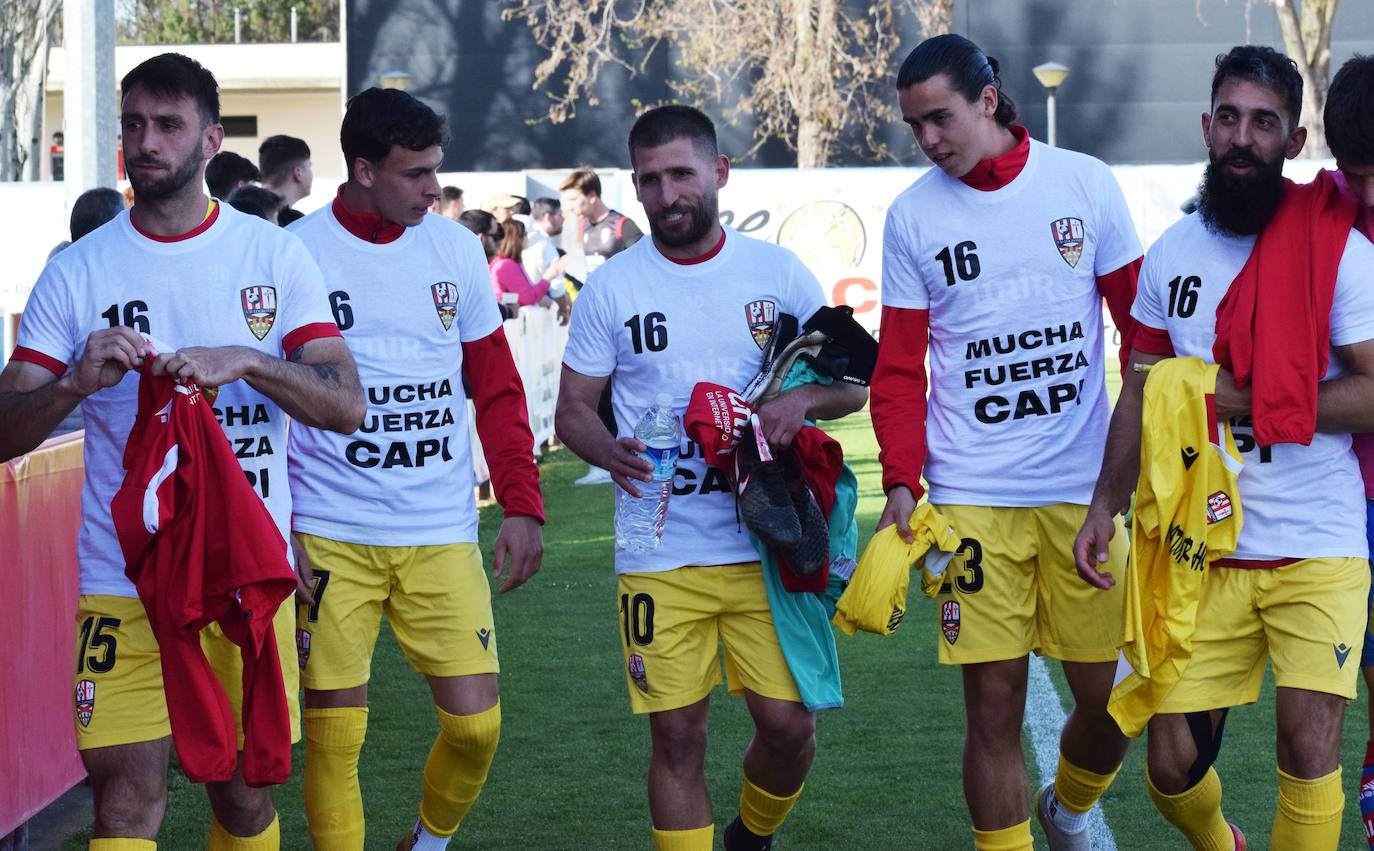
pixel 1012 588
pixel 117 681
pixel 1307 618
pixel 436 598
pixel 671 625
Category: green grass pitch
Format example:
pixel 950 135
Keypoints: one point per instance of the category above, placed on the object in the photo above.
pixel 571 767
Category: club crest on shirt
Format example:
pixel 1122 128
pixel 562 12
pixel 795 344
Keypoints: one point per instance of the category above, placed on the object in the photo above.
pixel 445 301
pixel 949 620
pixel 259 308
pixel 762 316
pixel 85 701
pixel 302 647
pixel 1068 238
pixel 636 668
pixel 1218 507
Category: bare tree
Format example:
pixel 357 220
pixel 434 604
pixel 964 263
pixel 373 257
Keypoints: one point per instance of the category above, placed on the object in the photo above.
pixel 28 26
pixel 212 21
pixel 801 70
pixel 1306 27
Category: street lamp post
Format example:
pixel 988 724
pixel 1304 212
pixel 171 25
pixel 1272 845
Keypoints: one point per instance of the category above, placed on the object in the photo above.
pixel 1050 75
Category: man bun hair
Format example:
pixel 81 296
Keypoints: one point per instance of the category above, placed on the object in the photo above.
pixel 664 124
pixel 173 75
pixel 969 71
pixel 377 119
pixel 1349 112
pixel 1263 66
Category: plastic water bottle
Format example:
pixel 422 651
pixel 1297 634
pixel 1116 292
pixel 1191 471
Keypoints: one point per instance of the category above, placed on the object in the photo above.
pixel 639 521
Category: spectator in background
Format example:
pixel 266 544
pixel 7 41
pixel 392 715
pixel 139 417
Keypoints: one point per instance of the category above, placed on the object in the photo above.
pixel 490 232
pixel 256 201
pixel 449 203
pixel 605 232
pixel 285 165
pixel 93 208
pixel 508 276
pixel 227 171
pixel 542 259
pixel 501 205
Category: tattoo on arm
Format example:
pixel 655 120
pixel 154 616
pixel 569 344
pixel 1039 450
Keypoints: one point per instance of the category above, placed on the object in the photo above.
pixel 328 374
pixel 297 354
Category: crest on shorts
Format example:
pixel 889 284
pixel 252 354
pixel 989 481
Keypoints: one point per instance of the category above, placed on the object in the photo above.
pixel 302 646
pixel 259 308
pixel 1218 507
pixel 763 321
pixel 85 701
pixel 1068 238
pixel 484 636
pixel 445 301
pixel 949 620
pixel 636 668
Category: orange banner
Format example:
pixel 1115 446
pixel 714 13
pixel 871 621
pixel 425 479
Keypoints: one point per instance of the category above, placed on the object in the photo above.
pixel 40 512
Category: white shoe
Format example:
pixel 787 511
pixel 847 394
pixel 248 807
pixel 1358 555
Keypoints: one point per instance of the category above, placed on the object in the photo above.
pixel 1057 837
pixel 595 476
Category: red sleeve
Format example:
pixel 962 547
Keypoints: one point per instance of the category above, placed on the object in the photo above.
pixel 304 334
pixel 51 364
pixel 1152 341
pixel 1118 288
pixel 897 399
pixel 503 425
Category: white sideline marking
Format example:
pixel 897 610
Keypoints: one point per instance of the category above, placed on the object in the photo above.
pixel 1044 719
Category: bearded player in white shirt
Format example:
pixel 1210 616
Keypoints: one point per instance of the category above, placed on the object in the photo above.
pixel 386 516
pixel 999 258
pixel 661 316
pixel 246 305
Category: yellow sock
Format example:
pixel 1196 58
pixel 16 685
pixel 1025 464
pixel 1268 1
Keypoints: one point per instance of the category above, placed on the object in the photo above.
pixel 1309 813
pixel 222 840
pixel 763 812
pixel 457 767
pixel 1196 812
pixel 696 839
pixel 333 798
pixel 114 843
pixel 1078 788
pixel 1014 838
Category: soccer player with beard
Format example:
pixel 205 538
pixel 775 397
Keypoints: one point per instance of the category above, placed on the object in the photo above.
pixel 247 307
pixel 1294 589
pixel 686 306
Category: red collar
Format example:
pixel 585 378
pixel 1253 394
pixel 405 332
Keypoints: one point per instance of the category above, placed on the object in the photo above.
pixel 370 227
pixel 211 215
pixel 999 171
pixel 692 261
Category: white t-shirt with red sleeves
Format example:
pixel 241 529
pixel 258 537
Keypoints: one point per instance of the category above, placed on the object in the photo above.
pixel 1299 501
pixel 239 282
pixel 661 327
pixel 405 308
pixel 1018 404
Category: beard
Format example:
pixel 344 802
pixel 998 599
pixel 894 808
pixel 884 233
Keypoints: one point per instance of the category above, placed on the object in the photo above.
pixel 1240 205
pixel 701 217
pixel 175 180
